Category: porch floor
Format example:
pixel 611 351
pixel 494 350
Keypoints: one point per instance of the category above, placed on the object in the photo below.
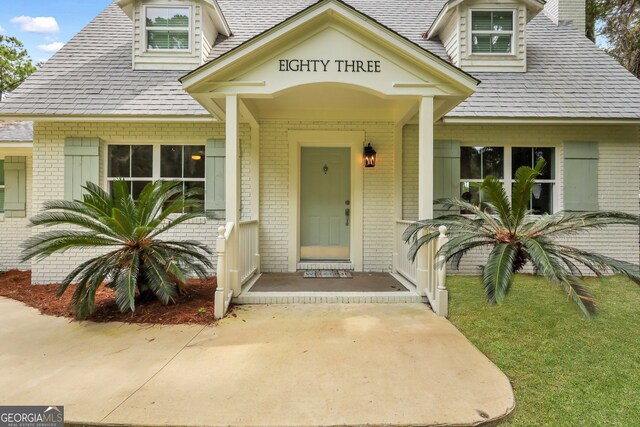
pixel 295 282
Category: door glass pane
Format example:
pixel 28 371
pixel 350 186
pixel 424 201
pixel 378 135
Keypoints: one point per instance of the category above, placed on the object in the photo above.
pixel 502 21
pixel 142 161
pixel 194 161
pixel 171 161
pixel 493 162
pixel 470 162
pixel 481 20
pixel 119 159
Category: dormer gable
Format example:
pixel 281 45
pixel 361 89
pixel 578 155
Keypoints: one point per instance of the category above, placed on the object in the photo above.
pixel 486 35
pixel 173 34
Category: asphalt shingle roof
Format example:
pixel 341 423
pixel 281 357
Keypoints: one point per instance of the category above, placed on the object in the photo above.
pixel 567 76
pixel 16 131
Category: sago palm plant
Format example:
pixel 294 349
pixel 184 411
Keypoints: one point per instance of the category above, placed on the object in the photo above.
pixel 135 262
pixel 515 236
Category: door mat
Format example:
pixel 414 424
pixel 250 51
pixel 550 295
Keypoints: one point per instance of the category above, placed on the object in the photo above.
pixel 327 274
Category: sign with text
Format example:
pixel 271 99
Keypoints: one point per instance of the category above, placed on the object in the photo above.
pixel 327 65
pixel 31 416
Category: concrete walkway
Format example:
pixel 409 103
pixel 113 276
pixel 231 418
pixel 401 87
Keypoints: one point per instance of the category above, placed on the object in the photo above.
pixel 299 365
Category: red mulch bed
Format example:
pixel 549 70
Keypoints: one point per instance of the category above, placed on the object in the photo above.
pixel 196 307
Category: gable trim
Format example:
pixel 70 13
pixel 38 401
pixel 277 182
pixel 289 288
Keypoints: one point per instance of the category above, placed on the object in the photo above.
pixel 412 48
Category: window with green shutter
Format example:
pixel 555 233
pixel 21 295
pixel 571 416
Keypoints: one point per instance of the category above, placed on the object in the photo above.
pixel 446 173
pixel 581 175
pixel 15 187
pixel 1 185
pixel 81 165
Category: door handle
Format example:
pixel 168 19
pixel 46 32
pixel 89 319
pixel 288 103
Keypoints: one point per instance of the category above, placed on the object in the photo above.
pixel 347 213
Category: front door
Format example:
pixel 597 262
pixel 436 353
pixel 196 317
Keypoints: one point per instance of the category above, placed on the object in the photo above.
pixel 325 203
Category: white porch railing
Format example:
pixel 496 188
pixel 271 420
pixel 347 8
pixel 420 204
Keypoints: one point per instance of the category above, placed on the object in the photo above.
pixel 403 265
pixel 224 290
pixel 249 256
pixel 428 273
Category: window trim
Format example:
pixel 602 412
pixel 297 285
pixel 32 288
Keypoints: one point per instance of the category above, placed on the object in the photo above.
pixel 145 35
pixel 514 17
pixel 508 167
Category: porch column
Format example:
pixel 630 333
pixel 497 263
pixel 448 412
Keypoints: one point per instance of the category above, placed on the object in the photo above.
pixel 425 184
pixel 232 190
pixel 425 159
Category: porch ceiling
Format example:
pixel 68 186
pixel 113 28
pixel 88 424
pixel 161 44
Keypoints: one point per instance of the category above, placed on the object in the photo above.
pixel 330 102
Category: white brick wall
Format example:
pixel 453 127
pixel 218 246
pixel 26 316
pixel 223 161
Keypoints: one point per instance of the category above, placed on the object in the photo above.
pixel 619 152
pixel 618 180
pixel 13 231
pixel 274 204
pixel 48 167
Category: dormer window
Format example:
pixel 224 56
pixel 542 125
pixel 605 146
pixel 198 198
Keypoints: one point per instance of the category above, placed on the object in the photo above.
pixel 492 31
pixel 168 28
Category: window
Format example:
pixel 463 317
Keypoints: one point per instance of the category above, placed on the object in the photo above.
pixel 542 200
pixel 492 31
pixel 142 164
pixel 167 28
pixel 476 163
pixel 1 186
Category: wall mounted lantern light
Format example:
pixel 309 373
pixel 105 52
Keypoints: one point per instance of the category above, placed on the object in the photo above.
pixel 369 157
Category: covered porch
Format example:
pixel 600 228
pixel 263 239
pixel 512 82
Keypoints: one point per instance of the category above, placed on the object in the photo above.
pixel 278 108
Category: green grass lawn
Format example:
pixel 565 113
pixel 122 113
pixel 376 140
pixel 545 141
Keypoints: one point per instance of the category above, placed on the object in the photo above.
pixel 566 370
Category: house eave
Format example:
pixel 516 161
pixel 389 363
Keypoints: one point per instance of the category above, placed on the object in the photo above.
pixel 205 118
pixel 541 120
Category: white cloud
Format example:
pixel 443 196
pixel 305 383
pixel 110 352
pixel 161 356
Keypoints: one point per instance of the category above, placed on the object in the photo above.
pixel 1 30
pixel 40 24
pixel 51 47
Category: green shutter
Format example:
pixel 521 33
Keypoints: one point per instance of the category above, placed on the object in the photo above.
pixel 446 173
pixel 581 176
pixel 15 187
pixel 81 165
pixel 1 186
pixel 215 176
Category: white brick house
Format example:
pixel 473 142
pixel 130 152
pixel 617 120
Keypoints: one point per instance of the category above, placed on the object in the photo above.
pixel 278 96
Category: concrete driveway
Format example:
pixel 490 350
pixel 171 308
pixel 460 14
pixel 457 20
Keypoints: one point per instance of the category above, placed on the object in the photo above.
pixel 297 365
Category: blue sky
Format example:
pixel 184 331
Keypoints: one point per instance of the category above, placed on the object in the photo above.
pixel 44 25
